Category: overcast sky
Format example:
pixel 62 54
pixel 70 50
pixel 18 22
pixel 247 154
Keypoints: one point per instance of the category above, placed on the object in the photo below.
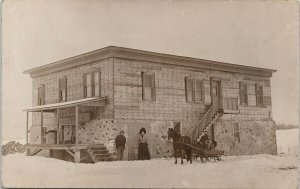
pixel 254 33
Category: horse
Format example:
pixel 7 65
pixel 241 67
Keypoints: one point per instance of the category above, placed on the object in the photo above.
pixel 179 144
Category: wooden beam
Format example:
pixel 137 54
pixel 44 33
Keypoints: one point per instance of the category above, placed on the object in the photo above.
pixel 57 126
pixel 35 152
pixel 69 152
pixel 76 123
pixel 77 156
pixel 27 127
pixel 42 127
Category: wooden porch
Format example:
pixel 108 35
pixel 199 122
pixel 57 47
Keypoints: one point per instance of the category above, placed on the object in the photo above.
pixel 78 152
pixel 75 149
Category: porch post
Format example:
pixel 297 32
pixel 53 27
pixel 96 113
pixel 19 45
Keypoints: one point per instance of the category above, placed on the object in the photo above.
pixel 42 127
pixel 57 126
pixel 26 127
pixel 76 124
pixel 77 155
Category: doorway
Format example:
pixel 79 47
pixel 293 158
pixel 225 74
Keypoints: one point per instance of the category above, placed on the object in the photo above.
pixel 215 92
pixel 67 134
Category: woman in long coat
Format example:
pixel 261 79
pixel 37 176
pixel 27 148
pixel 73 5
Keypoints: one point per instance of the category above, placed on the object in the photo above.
pixel 143 152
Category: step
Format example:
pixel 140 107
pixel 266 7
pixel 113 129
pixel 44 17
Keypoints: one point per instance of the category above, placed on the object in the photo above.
pixel 99 148
pixel 100 152
pixel 105 159
pixel 106 154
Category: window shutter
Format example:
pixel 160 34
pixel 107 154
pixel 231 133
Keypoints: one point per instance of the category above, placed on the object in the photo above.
pixel 93 83
pixel 243 93
pixel 84 85
pixel 153 87
pixel 43 94
pixel 143 86
pixel 189 88
pixel 97 76
pixel 198 90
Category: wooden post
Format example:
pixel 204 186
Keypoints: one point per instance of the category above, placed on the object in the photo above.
pixel 76 123
pixel 57 127
pixel 26 127
pixel 77 155
pixel 42 127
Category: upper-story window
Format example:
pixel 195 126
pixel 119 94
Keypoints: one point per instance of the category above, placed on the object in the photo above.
pixel 91 84
pixel 148 81
pixel 259 95
pixel 63 89
pixel 243 94
pixel 194 90
pixel 41 95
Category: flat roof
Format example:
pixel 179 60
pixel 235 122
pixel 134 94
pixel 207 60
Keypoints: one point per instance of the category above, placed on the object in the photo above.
pixel 51 107
pixel 134 54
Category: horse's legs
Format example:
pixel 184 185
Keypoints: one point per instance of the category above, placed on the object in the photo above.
pixel 175 154
pixel 190 155
pixel 181 154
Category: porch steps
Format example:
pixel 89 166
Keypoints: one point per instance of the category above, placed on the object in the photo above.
pixel 99 154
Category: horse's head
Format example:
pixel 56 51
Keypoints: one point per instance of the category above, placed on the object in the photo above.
pixel 171 133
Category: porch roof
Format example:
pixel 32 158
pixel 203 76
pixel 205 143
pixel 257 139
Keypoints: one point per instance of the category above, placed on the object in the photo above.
pixel 92 101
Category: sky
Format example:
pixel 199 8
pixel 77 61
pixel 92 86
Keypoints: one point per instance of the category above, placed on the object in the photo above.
pixel 254 33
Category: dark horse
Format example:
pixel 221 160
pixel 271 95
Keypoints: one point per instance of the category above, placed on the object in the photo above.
pixel 179 144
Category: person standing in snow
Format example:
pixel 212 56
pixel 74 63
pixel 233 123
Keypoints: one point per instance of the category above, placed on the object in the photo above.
pixel 143 152
pixel 120 145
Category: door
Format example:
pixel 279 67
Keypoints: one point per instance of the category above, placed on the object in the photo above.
pixel 215 92
pixel 67 134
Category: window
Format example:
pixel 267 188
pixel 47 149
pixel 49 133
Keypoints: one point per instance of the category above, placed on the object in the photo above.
pixel 193 90
pixel 44 132
pixel 236 131
pixel 41 95
pixel 243 94
pixel 91 84
pixel 259 95
pixel 148 81
pixel 63 89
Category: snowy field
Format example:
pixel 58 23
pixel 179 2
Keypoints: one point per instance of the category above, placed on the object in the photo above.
pixel 258 171
pixel 287 141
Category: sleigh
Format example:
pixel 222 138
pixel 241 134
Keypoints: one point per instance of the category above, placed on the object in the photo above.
pixel 206 155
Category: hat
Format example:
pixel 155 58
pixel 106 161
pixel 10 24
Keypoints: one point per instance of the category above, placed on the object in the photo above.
pixel 122 132
pixel 142 130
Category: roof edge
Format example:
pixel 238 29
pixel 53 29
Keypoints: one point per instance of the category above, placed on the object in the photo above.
pixel 129 53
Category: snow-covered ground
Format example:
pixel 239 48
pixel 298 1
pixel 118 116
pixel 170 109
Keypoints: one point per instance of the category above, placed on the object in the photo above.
pixel 258 171
pixel 287 141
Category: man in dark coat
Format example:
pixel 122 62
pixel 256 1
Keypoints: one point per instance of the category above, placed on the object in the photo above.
pixel 120 145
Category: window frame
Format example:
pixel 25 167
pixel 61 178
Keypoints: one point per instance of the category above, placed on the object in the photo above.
pixel 152 88
pixel 245 95
pixel 193 90
pixel 60 89
pixel 92 85
pixel 41 95
pixel 257 95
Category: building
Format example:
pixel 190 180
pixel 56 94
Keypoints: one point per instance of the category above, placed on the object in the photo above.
pixel 81 103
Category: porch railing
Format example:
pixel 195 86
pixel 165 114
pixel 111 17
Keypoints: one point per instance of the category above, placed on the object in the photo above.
pixel 205 120
pixel 230 103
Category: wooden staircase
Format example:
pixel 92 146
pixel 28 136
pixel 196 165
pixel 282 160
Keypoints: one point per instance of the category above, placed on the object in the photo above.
pixel 99 154
pixel 209 118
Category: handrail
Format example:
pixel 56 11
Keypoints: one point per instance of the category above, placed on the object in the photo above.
pixel 205 120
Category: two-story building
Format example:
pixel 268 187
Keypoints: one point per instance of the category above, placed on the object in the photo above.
pixel 81 103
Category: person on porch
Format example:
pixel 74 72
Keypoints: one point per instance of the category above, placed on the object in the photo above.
pixel 120 145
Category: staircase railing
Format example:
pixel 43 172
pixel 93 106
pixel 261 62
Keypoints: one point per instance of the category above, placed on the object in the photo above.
pixel 205 120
